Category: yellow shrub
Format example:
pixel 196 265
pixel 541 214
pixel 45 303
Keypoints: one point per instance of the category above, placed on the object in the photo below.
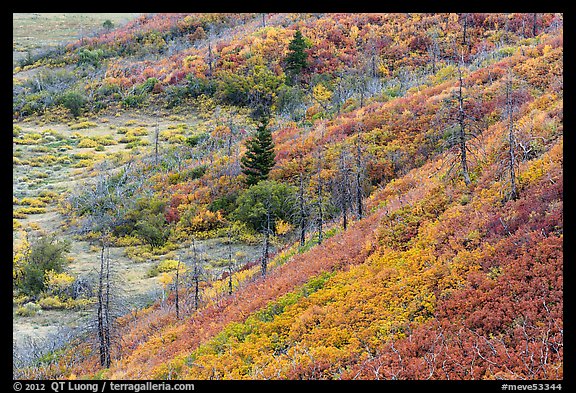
pixel 167 265
pixel 126 241
pixel 35 226
pixel 82 125
pixel 283 227
pixel 83 163
pixel 52 303
pixel 87 142
pixel 139 131
pixel 28 210
pixel 34 202
pixel 58 282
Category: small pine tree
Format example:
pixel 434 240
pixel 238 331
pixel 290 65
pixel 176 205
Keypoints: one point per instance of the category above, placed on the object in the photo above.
pixel 296 60
pixel 108 25
pixel 259 157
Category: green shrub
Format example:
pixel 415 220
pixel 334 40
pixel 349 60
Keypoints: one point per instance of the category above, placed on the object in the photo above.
pixel 195 140
pixel 264 197
pixel 133 100
pixel 46 254
pixel 73 101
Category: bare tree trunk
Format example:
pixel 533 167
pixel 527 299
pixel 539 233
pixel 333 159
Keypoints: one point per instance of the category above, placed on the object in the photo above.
pixel 320 207
pixel 343 188
pixel 534 22
pixel 359 191
pixel 511 141
pixel 196 275
pixel 302 208
pixel 107 309
pixel 229 264
pixel 465 28
pixel 462 131
pixel 103 306
pixel 176 290
pixel 209 57
pixel 265 251
pixel 156 137
pixel 100 310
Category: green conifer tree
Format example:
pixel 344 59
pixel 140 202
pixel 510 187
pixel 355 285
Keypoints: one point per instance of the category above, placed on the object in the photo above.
pixel 259 157
pixel 296 60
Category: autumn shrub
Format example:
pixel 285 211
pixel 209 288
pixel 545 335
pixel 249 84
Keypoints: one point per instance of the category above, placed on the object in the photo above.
pixel 16 224
pixel 84 163
pixel 166 249
pixel 164 266
pixel 33 202
pixel 52 303
pixel 128 138
pixel 83 125
pixel 28 310
pixel 105 140
pixel 239 231
pixel 87 142
pixel 139 253
pixel 136 143
pixel 16 130
pixel 194 222
pixel 58 284
pixel 22 212
pixel 127 240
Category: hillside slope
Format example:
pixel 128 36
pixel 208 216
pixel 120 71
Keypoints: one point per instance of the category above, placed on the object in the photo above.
pixel 439 278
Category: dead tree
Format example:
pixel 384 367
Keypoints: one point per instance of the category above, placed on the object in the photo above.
pixel 230 263
pixel 102 312
pixel 156 137
pixel 101 207
pixel 360 175
pixel 320 199
pixel 433 49
pixel 343 186
pixel 511 140
pixel 301 203
pixel 266 245
pixel 196 273
pixel 462 130
pixel 302 209
pixel 177 289
pixel 464 29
